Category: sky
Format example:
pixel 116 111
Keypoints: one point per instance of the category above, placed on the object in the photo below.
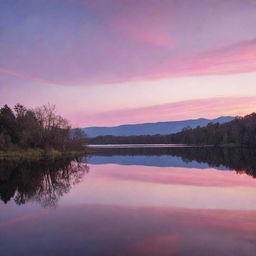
pixel 112 62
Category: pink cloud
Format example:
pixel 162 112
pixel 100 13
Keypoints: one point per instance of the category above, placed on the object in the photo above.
pixel 24 76
pixel 208 108
pixel 136 25
pixel 240 58
pixel 146 35
pixel 97 42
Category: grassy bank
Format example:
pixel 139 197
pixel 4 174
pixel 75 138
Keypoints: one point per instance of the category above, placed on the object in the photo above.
pixel 36 154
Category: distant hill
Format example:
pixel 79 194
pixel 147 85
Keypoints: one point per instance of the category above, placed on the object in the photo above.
pixel 152 128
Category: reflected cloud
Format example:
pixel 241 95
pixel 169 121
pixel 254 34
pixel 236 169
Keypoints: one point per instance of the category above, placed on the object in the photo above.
pixel 174 176
pixel 112 230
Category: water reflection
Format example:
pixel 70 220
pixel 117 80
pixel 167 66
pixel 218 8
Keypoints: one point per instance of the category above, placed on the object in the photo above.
pixel 134 202
pixel 45 182
pixel 42 181
pixel 114 231
pixel 242 160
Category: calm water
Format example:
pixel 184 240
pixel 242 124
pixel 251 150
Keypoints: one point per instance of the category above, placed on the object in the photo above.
pixel 124 201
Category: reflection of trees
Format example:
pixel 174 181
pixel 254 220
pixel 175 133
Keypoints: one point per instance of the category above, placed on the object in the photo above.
pixel 39 181
pixel 242 160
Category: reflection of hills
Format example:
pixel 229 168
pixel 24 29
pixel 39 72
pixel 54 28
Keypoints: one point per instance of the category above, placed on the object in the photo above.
pixel 153 160
pixel 239 159
pixel 41 181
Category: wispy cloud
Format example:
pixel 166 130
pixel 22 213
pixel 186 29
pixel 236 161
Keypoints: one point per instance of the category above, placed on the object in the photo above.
pixel 209 108
pixel 90 42
pixel 24 76
pixel 238 58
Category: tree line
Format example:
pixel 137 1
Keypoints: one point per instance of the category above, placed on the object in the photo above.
pixel 39 128
pixel 241 132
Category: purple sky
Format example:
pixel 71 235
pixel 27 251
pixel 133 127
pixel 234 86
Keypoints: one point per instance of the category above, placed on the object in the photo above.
pixel 108 62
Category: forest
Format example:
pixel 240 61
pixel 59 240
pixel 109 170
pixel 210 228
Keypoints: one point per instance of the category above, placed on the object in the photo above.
pixel 239 132
pixel 39 128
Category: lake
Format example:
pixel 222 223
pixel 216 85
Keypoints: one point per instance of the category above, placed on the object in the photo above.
pixel 131 201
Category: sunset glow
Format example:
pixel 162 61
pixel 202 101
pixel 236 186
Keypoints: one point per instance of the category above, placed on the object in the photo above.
pixel 117 62
pixel 128 127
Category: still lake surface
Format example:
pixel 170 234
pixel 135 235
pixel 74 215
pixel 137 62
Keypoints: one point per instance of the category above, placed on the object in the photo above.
pixel 131 201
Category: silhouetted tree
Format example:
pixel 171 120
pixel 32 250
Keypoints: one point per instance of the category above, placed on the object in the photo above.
pixel 39 128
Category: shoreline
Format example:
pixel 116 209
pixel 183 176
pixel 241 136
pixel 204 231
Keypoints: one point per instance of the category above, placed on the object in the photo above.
pixel 144 145
pixel 37 154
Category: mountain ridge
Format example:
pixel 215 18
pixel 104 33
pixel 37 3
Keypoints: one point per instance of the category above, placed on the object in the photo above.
pixel 163 127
